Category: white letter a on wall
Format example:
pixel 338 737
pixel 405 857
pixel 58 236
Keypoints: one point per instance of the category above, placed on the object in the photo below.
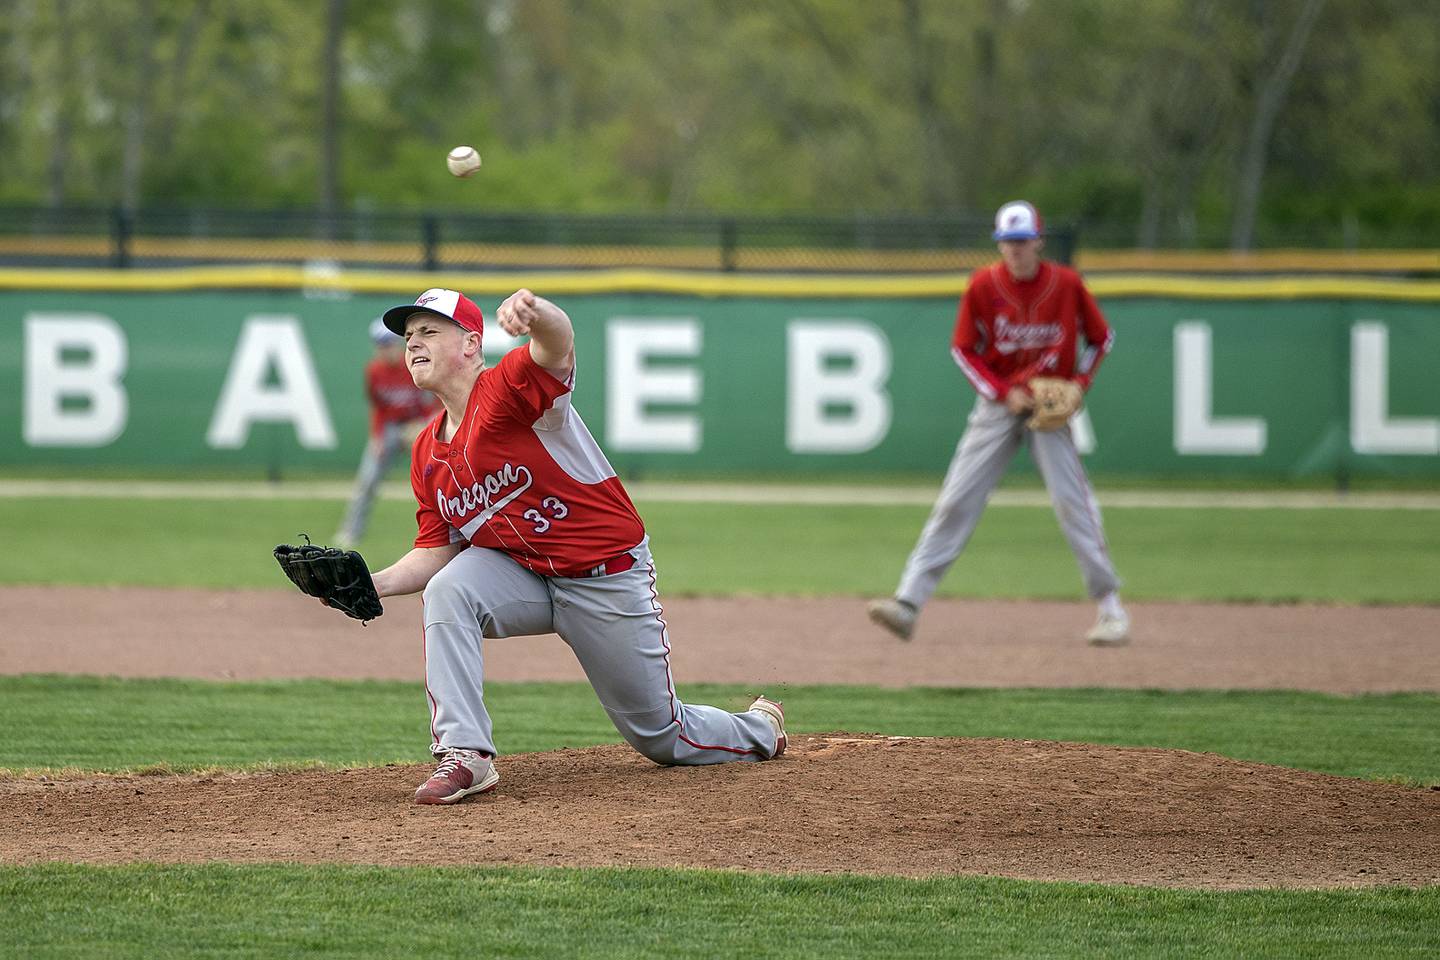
pixel 271 342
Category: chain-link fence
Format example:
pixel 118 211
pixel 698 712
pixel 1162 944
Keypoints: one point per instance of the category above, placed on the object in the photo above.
pixel 94 237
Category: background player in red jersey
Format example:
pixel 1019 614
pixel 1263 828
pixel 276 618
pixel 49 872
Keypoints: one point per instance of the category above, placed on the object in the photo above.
pixel 525 529
pixel 1020 318
pixel 398 409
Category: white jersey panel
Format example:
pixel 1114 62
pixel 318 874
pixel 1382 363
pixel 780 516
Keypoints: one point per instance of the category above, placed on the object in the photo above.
pixel 572 447
pixel 559 413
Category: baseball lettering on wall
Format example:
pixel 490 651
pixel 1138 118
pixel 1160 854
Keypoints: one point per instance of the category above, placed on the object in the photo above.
pixel 1197 429
pixel 271 343
pixel 633 384
pixel 686 384
pixel 74 363
pixel 1372 429
pixel 830 408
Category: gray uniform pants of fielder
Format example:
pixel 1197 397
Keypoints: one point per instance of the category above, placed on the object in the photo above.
pixel 992 437
pixel 613 624
pixel 379 452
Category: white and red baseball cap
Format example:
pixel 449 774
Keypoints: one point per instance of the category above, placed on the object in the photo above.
pixel 450 304
pixel 1018 220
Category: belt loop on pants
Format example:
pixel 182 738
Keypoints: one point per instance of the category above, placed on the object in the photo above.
pixel 617 564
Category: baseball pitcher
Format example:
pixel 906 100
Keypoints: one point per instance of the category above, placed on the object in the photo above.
pixel 525 529
pixel 1016 339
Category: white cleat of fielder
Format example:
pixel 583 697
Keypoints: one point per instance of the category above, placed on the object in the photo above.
pixel 897 616
pixel 1110 630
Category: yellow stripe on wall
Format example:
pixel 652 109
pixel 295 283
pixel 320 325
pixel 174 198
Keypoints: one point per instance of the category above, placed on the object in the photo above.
pixel 696 283
pixel 1269 261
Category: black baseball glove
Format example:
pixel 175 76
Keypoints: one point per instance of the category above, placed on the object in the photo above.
pixel 338 577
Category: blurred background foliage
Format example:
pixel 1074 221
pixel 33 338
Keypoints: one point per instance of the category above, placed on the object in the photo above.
pixel 1154 123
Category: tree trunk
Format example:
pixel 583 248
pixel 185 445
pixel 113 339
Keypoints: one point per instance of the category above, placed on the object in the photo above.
pixel 330 123
pixel 165 121
pixel 984 90
pixel 1181 112
pixel 1268 104
pixel 66 100
pixel 935 177
pixel 132 160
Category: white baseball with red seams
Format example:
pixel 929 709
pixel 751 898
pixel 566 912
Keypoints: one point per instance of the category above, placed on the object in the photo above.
pixel 463 161
pixel 555 546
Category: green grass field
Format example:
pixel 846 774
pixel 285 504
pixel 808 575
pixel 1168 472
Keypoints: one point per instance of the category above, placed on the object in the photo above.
pixel 225 911
pixel 110 724
pixel 1344 556
pixel 219 910
pixel 87 723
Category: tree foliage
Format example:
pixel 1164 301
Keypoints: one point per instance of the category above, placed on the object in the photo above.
pixel 1157 122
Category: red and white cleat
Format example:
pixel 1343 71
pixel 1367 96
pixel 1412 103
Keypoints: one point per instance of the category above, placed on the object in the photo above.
pixel 461 773
pixel 775 713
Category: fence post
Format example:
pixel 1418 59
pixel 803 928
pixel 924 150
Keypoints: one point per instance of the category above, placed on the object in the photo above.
pixel 430 234
pixel 728 242
pixel 120 235
pixel 1067 242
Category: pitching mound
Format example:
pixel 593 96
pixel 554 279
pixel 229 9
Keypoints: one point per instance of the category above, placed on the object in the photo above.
pixel 836 802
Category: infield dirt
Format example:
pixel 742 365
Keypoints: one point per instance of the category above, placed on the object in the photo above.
pixel 835 802
pixel 266 634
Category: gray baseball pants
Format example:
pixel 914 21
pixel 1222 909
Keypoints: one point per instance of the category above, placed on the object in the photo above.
pixel 379 452
pixel 614 625
pixel 992 437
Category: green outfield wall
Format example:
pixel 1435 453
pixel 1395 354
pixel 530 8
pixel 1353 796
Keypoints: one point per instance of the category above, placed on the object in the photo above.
pixel 1266 378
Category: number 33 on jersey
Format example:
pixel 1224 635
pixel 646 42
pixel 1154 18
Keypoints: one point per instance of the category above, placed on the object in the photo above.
pixel 523 475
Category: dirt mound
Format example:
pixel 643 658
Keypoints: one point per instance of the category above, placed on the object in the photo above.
pixel 836 802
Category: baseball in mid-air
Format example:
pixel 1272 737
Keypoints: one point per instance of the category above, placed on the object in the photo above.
pixel 463 161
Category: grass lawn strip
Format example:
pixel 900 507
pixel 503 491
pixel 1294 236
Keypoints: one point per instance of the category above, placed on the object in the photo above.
pixel 1198 554
pixel 230 911
pixel 98 724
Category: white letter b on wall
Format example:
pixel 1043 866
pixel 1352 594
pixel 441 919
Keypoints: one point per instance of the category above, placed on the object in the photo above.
pixel 858 388
pixel 50 379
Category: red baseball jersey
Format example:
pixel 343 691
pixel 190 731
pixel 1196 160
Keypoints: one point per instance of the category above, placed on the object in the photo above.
pixel 1010 330
pixel 394 396
pixel 522 474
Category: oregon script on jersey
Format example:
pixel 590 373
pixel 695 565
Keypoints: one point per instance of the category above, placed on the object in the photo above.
pixel 522 474
pixel 1010 330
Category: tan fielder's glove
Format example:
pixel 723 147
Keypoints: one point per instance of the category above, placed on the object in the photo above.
pixel 1056 401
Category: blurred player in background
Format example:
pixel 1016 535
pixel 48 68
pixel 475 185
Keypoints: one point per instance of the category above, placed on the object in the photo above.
pixel 1020 318
pixel 398 409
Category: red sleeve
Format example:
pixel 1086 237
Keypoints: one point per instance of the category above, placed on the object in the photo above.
pixel 431 529
pixel 970 341
pixel 1098 336
pixel 372 385
pixel 530 389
